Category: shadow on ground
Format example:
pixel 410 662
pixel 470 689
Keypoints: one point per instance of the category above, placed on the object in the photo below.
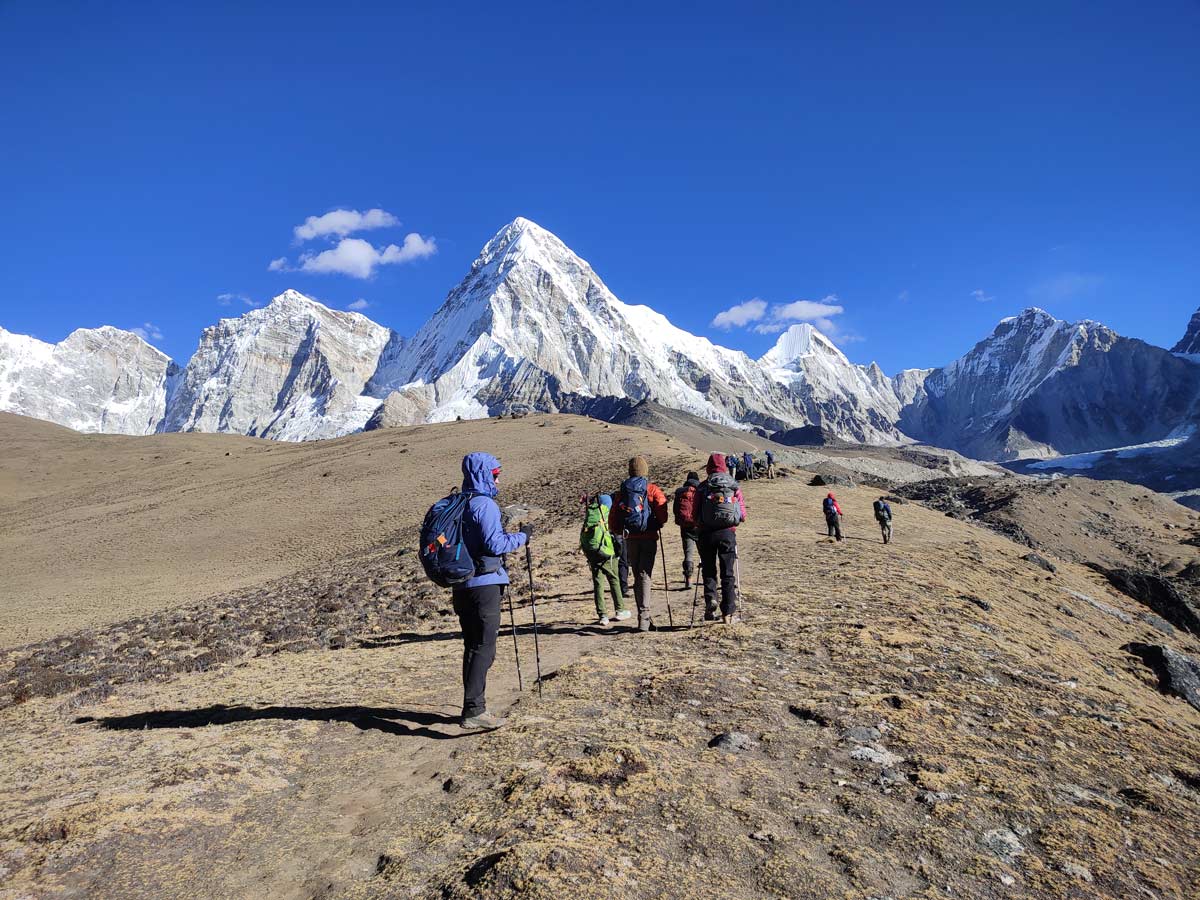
pixel 376 718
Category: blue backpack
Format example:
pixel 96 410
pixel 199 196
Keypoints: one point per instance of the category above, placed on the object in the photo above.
pixel 446 559
pixel 635 505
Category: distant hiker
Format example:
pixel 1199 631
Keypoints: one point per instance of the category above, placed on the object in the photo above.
pixel 731 465
pixel 477 600
pixel 639 512
pixel 883 515
pixel 833 515
pixel 748 464
pixel 596 541
pixel 722 509
pixel 770 464
pixel 687 517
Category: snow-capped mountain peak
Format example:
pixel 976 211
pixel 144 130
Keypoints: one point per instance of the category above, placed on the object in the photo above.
pixel 293 369
pixel 533 325
pixel 797 342
pixel 1189 344
pixel 104 380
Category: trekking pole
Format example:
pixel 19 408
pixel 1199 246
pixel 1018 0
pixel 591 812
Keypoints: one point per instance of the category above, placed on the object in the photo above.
pixel 666 587
pixel 512 617
pixel 695 598
pixel 537 653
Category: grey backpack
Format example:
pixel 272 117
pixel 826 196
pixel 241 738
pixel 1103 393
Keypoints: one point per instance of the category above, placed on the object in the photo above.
pixel 720 507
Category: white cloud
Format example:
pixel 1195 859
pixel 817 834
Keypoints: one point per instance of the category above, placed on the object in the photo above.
pixel 341 222
pixel 742 314
pixel 358 258
pixel 414 247
pixel 148 331
pixel 358 304
pixel 982 297
pixel 278 265
pixel 228 299
pixel 818 312
pixel 249 302
pixel 1066 286
pixel 902 296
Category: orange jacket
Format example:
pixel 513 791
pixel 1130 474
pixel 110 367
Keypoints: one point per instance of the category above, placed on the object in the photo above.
pixel 658 514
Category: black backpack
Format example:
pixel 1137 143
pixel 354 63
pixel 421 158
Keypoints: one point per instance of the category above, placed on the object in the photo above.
pixel 883 512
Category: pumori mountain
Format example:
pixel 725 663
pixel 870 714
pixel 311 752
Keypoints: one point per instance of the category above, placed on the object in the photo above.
pixel 533 327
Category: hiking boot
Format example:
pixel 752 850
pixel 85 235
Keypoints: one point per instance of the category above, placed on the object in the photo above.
pixel 710 614
pixel 603 621
pixel 730 619
pixel 627 593
pixel 623 614
pixel 644 623
pixel 687 584
pixel 485 721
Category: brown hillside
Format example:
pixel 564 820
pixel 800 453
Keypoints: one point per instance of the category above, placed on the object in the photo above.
pixel 935 717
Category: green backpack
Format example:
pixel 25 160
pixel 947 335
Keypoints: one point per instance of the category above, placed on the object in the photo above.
pixel 595 538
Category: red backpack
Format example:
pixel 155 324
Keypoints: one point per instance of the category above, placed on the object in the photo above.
pixel 686 513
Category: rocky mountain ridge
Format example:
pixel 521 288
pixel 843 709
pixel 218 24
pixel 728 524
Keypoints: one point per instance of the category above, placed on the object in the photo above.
pixel 532 327
pixel 1189 344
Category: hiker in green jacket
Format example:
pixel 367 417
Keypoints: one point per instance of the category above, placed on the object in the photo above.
pixel 596 541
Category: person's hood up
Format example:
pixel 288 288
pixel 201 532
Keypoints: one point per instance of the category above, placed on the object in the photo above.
pixel 693 478
pixel 716 463
pixel 830 496
pixel 477 473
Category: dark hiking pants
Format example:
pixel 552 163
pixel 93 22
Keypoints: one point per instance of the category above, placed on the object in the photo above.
pixel 719 547
pixel 622 563
pixel 834 524
pixel 478 610
pixel 691 549
pixel 642 553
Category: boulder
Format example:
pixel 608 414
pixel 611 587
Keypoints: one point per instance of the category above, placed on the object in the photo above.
pixel 832 481
pixel 1178 675
pixel 1040 561
pixel 1159 594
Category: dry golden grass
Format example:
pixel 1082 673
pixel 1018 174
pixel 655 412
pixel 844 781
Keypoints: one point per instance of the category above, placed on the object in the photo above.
pixel 340 772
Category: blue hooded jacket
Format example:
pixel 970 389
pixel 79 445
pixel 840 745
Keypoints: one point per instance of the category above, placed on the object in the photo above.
pixel 483 532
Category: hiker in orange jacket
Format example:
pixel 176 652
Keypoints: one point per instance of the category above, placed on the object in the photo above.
pixel 639 512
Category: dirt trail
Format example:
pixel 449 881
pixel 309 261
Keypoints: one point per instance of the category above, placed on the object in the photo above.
pixel 284 776
pixel 340 772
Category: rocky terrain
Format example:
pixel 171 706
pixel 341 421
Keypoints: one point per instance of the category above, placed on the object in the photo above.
pixel 940 716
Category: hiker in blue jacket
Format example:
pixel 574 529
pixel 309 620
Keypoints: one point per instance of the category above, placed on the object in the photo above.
pixel 477 601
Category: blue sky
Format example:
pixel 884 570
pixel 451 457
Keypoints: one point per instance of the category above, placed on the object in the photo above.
pixel 927 168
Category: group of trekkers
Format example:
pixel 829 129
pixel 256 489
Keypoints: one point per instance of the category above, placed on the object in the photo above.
pixel 745 466
pixel 622 533
pixel 464 542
